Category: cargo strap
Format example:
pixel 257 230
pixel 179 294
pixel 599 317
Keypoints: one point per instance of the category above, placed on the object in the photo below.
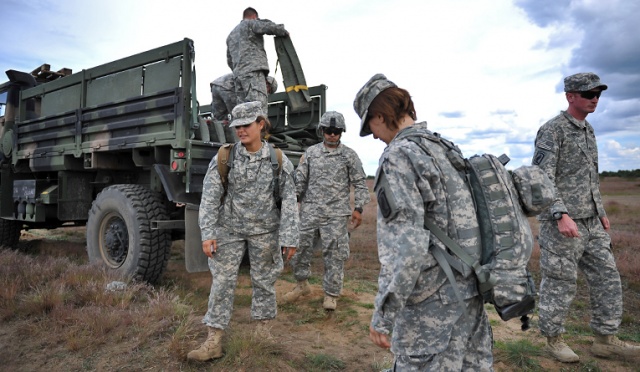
pixel 296 88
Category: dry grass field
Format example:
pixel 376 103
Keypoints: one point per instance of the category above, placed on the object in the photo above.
pixel 56 315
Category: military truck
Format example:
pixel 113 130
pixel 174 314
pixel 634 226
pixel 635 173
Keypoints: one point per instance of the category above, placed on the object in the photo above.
pixel 123 149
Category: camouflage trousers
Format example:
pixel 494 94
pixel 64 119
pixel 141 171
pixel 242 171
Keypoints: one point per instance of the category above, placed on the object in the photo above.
pixel 252 87
pixel 455 341
pixel 331 234
pixel 265 258
pixel 560 259
pixel 222 103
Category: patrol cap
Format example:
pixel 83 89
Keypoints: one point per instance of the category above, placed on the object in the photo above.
pixel 582 82
pixel 273 83
pixel 333 119
pixel 246 113
pixel 366 95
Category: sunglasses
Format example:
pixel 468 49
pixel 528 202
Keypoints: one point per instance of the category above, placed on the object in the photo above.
pixel 590 95
pixel 333 131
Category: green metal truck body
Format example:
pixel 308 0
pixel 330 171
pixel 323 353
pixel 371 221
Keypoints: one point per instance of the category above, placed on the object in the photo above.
pixel 123 148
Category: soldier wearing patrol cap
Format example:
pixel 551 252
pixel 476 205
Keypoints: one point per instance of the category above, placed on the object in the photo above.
pixel 573 233
pixel 245 217
pixel 417 312
pixel 324 178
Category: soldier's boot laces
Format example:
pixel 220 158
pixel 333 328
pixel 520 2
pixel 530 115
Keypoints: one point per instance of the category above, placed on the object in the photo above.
pixel 557 348
pixel 263 330
pixel 606 346
pixel 210 349
pixel 330 302
pixel 301 289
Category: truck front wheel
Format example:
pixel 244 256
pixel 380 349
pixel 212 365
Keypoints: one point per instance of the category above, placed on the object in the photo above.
pixel 119 232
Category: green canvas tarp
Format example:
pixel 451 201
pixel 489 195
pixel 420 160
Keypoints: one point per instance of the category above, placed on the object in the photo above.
pixel 292 74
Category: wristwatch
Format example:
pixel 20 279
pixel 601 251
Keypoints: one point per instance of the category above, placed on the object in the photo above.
pixel 358 209
pixel 558 215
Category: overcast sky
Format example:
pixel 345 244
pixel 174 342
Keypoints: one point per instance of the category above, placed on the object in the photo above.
pixel 483 73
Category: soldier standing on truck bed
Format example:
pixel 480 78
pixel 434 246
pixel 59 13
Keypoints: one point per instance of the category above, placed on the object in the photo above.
pixel 223 100
pixel 247 58
pixel 323 181
pixel 244 216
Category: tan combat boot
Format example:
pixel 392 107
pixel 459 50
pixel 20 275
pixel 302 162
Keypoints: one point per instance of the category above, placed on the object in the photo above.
pixel 606 346
pixel 210 349
pixel 557 348
pixel 330 302
pixel 301 289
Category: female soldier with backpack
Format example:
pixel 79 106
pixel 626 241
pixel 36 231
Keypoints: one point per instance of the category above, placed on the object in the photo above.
pixel 246 218
pixel 416 312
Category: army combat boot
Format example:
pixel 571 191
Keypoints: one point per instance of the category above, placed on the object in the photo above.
pixel 557 348
pixel 210 349
pixel 606 346
pixel 330 302
pixel 301 289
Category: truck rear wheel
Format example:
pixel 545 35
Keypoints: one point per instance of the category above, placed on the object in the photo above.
pixel 9 233
pixel 119 232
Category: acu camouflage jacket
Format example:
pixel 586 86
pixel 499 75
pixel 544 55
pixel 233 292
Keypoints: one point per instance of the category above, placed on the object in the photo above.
pixel 245 45
pixel 324 178
pixel 566 150
pixel 249 207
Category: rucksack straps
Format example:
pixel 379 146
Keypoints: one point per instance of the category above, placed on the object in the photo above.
pixel 485 280
pixel 226 154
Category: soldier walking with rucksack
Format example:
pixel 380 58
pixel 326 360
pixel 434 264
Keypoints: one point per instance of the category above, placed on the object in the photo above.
pixel 324 178
pixel 573 232
pixel 432 330
pixel 243 214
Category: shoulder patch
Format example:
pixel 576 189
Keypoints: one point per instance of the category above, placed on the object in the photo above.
pixel 538 157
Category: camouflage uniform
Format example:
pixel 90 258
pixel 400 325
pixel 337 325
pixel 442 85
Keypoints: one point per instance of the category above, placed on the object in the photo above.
pixel 323 179
pixel 566 149
pixel 248 219
pixel 415 300
pixel 248 60
pixel 431 330
pixel 223 100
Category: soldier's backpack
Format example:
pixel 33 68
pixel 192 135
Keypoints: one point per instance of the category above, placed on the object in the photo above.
pixel 502 203
pixel 225 163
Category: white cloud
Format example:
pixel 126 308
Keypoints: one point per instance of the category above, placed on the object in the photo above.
pixel 482 59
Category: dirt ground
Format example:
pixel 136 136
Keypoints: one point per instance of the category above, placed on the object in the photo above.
pixel 303 329
pixel 341 334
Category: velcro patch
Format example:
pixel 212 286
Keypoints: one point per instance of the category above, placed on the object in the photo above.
pixel 545 145
pixel 538 157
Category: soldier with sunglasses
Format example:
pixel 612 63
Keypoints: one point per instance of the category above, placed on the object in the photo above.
pixel 323 179
pixel 573 233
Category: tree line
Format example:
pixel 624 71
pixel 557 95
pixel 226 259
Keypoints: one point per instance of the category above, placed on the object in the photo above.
pixel 622 173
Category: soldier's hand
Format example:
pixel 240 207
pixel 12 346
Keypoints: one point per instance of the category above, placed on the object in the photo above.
pixel 288 252
pixel 356 219
pixel 378 338
pixel 605 223
pixel 209 247
pixel 568 227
